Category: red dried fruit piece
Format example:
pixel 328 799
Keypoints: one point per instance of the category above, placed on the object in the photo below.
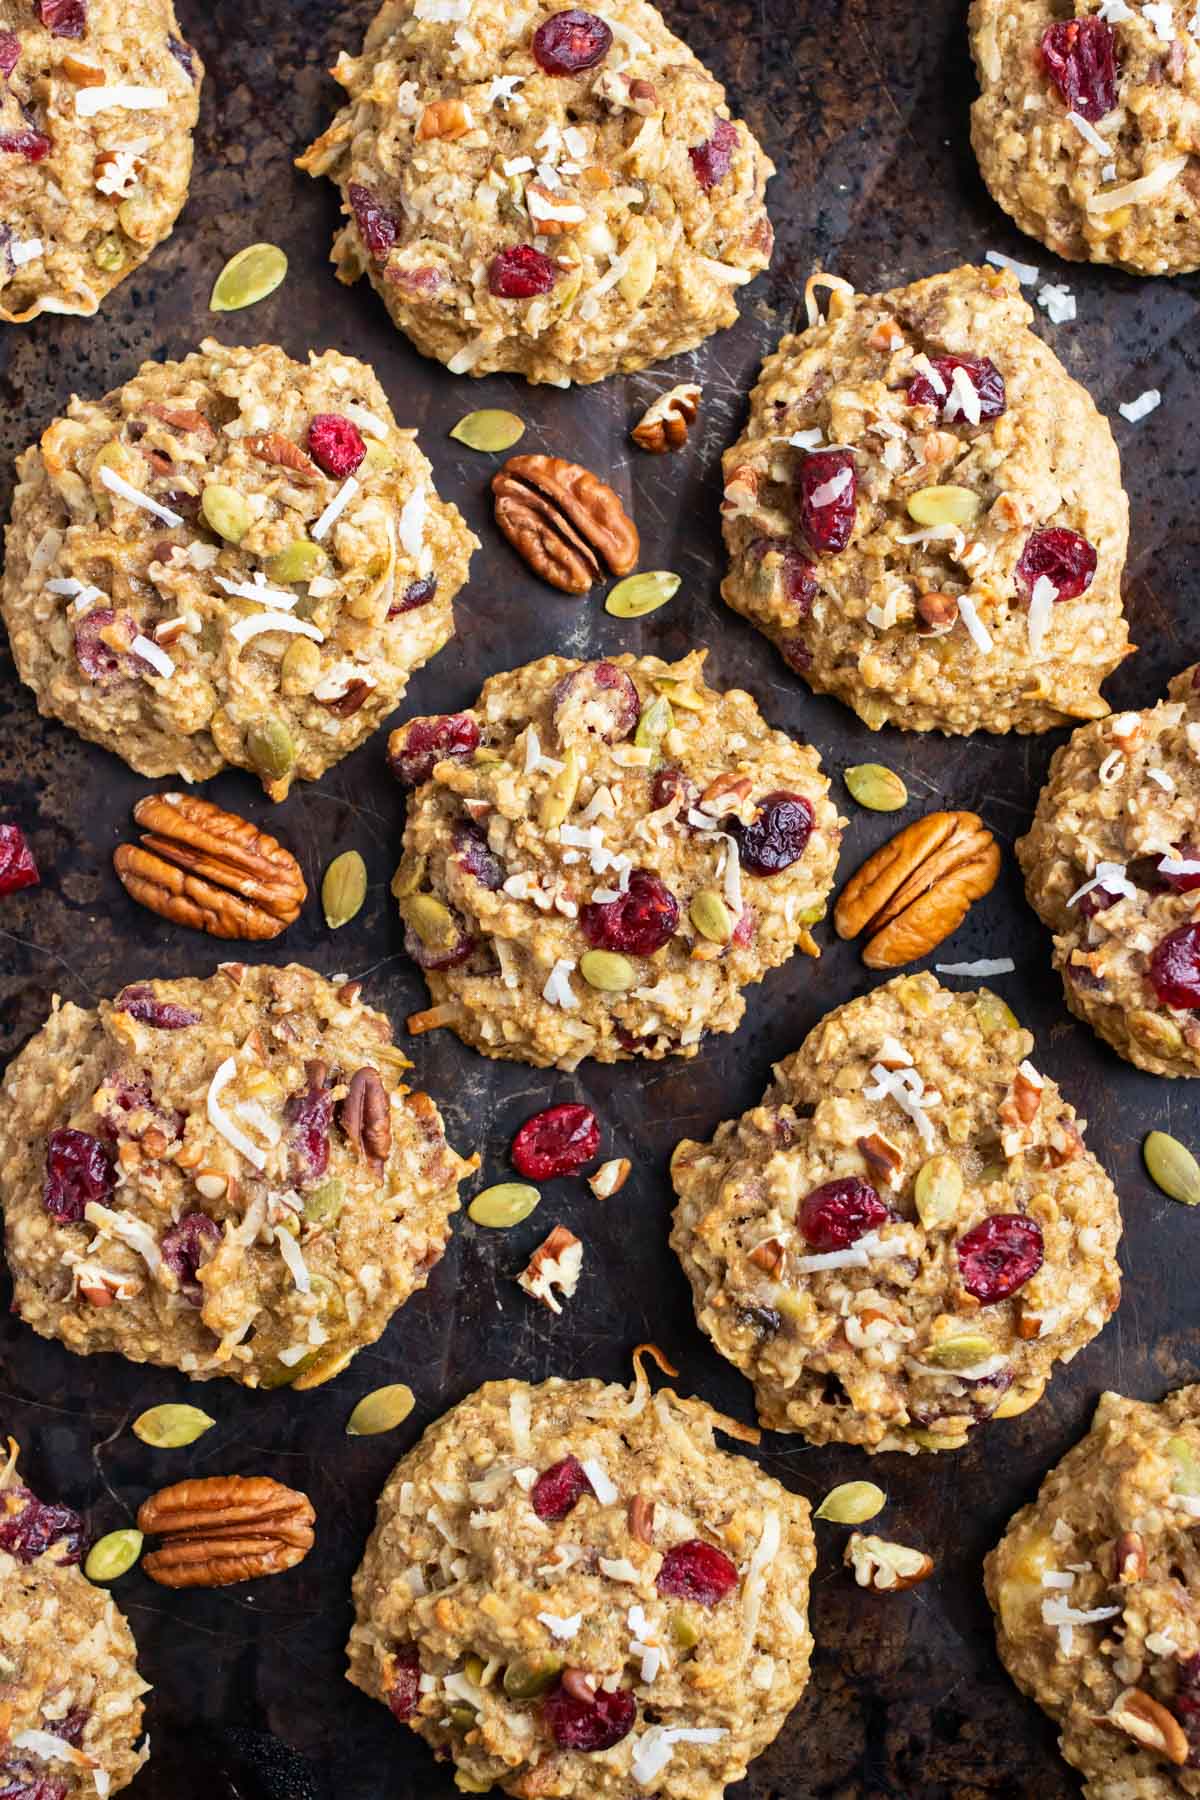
pixel 712 160
pixel 97 658
pixel 983 375
pixel 568 42
pixel 336 444
pixel 836 1214
pixel 72 1728
pixel 417 593
pixel 666 783
pixel 184 55
pixel 1179 884
pixel 999 1255
pixel 21 1781
pixel 1186 1705
pixel 1175 968
pixel 697 1571
pixel 520 273
pixel 582 1725
pixel 64 18
pixel 79 1169
pixel 10 52
pixel 743 931
pixel 309 1113
pixel 795 652
pixel 428 742
pixel 556 1142
pixel 17 867
pixel 185 1246
pixel 426 958
pixel 418 284
pixel 558 1490
pixel 28 1528
pixel 776 837
pixel 1081 60
pixel 1096 900
pixel 405 1688
pixel 473 853
pixel 378 228
pixel 796 573
pixel 599 699
pixel 827 488
pixel 33 145
pixel 639 921
pixel 140 1003
pixel 1067 561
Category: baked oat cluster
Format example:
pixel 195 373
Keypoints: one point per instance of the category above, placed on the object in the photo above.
pixel 1087 125
pixel 925 512
pixel 1092 1590
pixel 1112 867
pixel 907 1233
pixel 226 1177
pixel 234 559
pixel 556 193
pixel 71 1706
pixel 599 857
pixel 98 101
pixel 572 1592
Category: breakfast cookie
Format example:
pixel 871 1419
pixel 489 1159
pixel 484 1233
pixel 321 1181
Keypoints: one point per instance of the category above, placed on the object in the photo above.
pixel 571 1591
pixel 559 194
pixel 226 1177
pixel 72 1706
pixel 925 512
pixel 1112 862
pixel 599 856
pixel 1091 1586
pixel 1086 123
pixel 234 559
pixel 907 1233
pixel 98 101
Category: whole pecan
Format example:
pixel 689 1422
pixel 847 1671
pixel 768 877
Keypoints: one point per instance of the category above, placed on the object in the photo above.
pixel 225 1528
pixel 1148 1723
pixel 666 421
pixel 202 867
pixel 365 1115
pixel 883 1566
pixel 917 889
pixel 564 521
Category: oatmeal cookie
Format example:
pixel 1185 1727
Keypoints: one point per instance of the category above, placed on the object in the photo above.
pixel 72 1697
pixel 925 512
pixel 225 1176
pixel 1087 125
pixel 907 1233
pixel 600 856
pixel 98 102
pixel 571 1591
pixel 558 194
pixel 1112 867
pixel 1091 1586
pixel 234 559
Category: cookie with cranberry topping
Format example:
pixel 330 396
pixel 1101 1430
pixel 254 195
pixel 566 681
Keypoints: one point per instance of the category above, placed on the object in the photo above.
pixel 925 512
pixel 72 1709
pixel 1084 126
pixel 98 102
pixel 599 857
pixel 236 559
pixel 225 1176
pixel 556 193
pixel 571 1591
pixel 1112 868
pixel 1092 1588
pixel 907 1233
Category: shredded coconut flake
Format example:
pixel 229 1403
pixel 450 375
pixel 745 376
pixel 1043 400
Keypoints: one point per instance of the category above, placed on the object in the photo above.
pixel 1146 187
pixel 978 632
pixel 1057 300
pixel 289 1249
pixel 257 590
pixel 520 1412
pixel 602 1486
pixel 833 489
pixel 563 1629
pixel 123 489
pixel 27 252
pixel 558 990
pixel 1089 134
pixel 257 624
pixel 219 1119
pixel 986 965
pixel 122 97
pixel 1026 273
pixel 964 401
pixel 411 523
pixel 1041 611
pixel 1136 410
pixel 336 508
pixel 154 654
pixel 1111 877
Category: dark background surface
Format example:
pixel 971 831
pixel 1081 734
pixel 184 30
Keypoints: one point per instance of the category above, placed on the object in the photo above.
pixel 864 109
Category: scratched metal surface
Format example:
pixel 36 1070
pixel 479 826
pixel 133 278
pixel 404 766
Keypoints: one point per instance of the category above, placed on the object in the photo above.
pixel 864 108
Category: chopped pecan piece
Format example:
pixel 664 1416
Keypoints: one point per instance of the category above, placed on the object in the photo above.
pixel 917 889
pixel 1150 1725
pixel 365 1115
pixel 206 868
pixel 556 1263
pixel 564 521
pixel 223 1529
pixel 1129 1558
pixel 885 1567
pixel 610 1177
pixel 640 1515
pixel 937 613
pixel 444 119
pixel 882 1156
pixel 666 421
pixel 273 447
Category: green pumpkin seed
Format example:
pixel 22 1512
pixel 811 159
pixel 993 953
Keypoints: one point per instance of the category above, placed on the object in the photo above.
pixel 962 1351
pixel 1172 1167
pixel 992 1015
pixel 489 430
pixel 248 277
pixel 467 1784
pixel 641 594
pixel 559 796
pixel 527 1677
pixel 320 1367
pixel 410 873
pixel 605 970
pixel 227 510
pixel 1158 1034
pixel 301 561
pixel 938 1191
pixel 853 1503
pixel 503 1205
pixel 681 693
pixel 463 1716
pixel 474 1668
pixel 323 1205
pixel 432 922
pixel 344 889
pixel 877 788
pixel 654 724
pixel 947 505
pixel 935 1440
pixel 113 1556
pixel 684 1634
pixel 270 748
pixel 710 915
pixel 109 254
pixel 383 1410
pixel 171 1427
pixel 1186 1479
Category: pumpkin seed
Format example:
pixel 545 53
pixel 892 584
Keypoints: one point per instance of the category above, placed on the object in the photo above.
pixel 962 1351
pixel 1186 1479
pixel 935 1440
pixel 410 873
pixel 463 1716
pixel 432 922
pixel 344 889
pixel 489 430
pixel 323 1205
pixel 853 1503
pixel 877 788
pixel 1019 1400
pixel 937 1191
pixel 947 505
pixel 605 970
pixel 109 254
pixel 526 1677
pixel 559 796
pixel 681 692
pixel 684 1634
pixel 474 1668
pixel 270 748
pixel 311 1372
pixel 113 1556
pixel 227 510
pixel 301 561
pixel 329 1294
pixel 992 1015
pixel 383 1410
pixel 467 1784
pixel 1160 1035
pixel 654 724
pixel 248 277
pixel 505 1204
pixel 171 1427
pixel 710 915
pixel 1173 1167
pixel 300 668
pixel 641 594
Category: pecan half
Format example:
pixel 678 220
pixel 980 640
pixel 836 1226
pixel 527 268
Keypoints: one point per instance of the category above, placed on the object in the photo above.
pixel 1150 1725
pixel 918 888
pixel 365 1115
pixel 273 447
pixel 564 521
pixel 225 1528
pixel 640 1517
pixel 206 868
pixel 885 1567
pixel 665 423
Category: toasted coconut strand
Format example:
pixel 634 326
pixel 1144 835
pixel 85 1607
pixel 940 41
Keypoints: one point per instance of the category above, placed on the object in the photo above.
pixel 840 293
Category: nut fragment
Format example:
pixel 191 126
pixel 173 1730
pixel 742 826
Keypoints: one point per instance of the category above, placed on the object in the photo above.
pixel 917 889
pixel 1129 1557
pixel 610 1177
pixel 665 423
pixel 556 1263
pixel 444 119
pixel 365 1115
pixel 223 1529
pixel 883 1566
pixel 564 521
pixel 1150 1725
pixel 206 868
pixel 640 1515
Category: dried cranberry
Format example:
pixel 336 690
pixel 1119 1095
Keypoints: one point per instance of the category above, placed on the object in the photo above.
pixel 184 55
pixel 140 1003
pixel 558 1490
pixel 520 273
pixel 1081 60
pixel 836 1214
pixel 1175 968
pixel 72 1728
pixel 28 1528
pixel 21 1781
pixel 1067 561
pixel 98 658
pixel 598 700
pixel 568 42
pixel 795 572
pixel 1186 1705
pixel 417 284
pixel 999 1255
pixel 405 1688
pixel 378 228
pixel 1179 884
pixel 980 371
pixel 776 837
pixel 64 18
pixel 556 1142
pixel 425 958
pixel 827 487
pixel 79 1169
pixel 589 1725
pixel 17 867
pixel 336 444
pixel 33 145
pixel 640 921
pixel 309 1113
pixel 428 742
pixel 10 52
pixel 794 649
pixel 1096 900
pixel 473 853
pixel 186 1245
pixel 713 159
pixel 697 1571
pixel 418 593
pixel 666 783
